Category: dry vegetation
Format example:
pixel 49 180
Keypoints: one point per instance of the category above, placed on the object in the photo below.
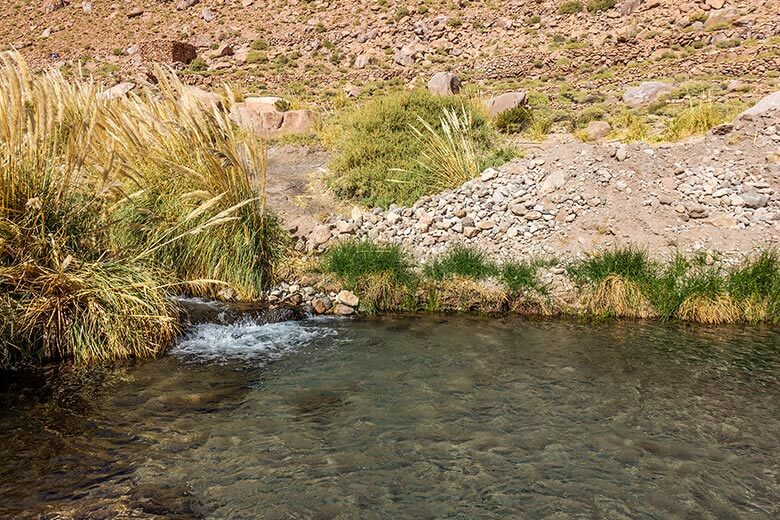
pixel 107 207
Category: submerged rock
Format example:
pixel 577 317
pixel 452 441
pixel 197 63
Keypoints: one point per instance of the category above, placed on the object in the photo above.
pixel 211 311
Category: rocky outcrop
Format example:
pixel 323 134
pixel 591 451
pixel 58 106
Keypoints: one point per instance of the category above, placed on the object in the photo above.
pixel 263 117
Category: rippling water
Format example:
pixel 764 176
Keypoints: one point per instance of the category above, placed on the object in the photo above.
pixel 407 418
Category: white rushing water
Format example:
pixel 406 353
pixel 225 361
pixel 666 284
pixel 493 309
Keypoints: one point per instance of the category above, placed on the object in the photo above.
pixel 249 341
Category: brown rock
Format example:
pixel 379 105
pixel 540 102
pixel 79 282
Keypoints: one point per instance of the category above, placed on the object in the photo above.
pixel 321 305
pixel 597 130
pixel 343 310
pixel 348 298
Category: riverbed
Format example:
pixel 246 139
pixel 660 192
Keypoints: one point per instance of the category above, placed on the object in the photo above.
pixel 433 417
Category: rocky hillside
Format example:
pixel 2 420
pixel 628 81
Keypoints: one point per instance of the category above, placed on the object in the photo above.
pixel 320 49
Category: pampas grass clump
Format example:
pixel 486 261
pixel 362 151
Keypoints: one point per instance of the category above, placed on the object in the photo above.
pixel 108 206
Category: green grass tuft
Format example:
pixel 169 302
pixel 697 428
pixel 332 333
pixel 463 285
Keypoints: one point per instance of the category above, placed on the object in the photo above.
pixel 354 260
pixel 628 262
pixel 461 261
pixel 521 276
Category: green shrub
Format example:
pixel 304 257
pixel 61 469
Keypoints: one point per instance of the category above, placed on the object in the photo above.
pixel 461 261
pixel 255 57
pixel 282 105
pixel 355 260
pixel 514 120
pixel 449 156
pixel 259 45
pixel 595 6
pixel 107 207
pixel 377 153
pixel 699 119
pixel 756 284
pixel 571 7
pixel 198 65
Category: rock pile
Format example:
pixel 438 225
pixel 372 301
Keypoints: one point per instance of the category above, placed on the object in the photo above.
pixel 314 297
pixel 531 206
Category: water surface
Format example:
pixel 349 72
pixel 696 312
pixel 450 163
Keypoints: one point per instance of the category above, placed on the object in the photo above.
pixel 408 418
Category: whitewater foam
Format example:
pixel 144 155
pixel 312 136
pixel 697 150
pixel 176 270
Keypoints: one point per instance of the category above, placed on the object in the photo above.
pixel 214 342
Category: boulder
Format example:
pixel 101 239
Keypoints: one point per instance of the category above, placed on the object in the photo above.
pixel 505 102
pixel 646 92
pixel 320 235
pixel 444 84
pixel 405 56
pixel 343 310
pixel 768 104
pixel 597 130
pixel 627 7
pixel 347 298
pixel 185 4
pixel 362 61
pixel 224 50
pixel 206 98
pixel 721 16
pixel 49 6
pixel 321 305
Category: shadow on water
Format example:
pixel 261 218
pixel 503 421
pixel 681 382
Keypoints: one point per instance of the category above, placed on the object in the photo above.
pixel 406 418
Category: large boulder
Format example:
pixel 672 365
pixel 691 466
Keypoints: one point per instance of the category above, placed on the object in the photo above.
pixel 646 92
pixel 444 84
pixel 205 98
pixel 505 102
pixel 262 116
pixel 405 56
pixel 768 104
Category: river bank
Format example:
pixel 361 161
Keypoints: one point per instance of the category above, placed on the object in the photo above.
pixel 370 278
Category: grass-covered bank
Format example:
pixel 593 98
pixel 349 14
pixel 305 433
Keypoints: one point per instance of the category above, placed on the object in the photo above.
pixel 618 283
pixel 109 206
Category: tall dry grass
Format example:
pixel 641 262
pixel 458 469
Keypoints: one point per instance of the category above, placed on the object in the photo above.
pixel 107 206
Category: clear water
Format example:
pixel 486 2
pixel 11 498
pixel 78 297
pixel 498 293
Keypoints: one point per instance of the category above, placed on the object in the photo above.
pixel 408 418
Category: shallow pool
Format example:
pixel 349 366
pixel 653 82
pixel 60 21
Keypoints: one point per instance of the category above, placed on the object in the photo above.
pixel 407 418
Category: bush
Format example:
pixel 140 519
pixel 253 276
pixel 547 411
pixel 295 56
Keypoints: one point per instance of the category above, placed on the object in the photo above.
pixel 461 261
pixel 514 120
pixel 255 57
pixel 198 65
pixel 595 6
pixel 756 285
pixel 571 7
pixel 259 45
pixel 377 153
